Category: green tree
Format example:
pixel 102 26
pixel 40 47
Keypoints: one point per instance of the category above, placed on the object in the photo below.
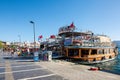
pixel 1 46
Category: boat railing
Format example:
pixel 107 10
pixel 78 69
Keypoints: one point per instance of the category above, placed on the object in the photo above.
pixel 96 44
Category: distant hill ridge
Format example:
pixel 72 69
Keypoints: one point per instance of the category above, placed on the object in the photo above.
pixel 117 43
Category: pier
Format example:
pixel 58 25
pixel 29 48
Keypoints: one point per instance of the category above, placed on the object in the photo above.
pixel 72 71
pixel 23 69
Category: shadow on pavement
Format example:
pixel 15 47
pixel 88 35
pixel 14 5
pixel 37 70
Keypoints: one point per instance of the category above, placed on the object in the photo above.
pixel 21 57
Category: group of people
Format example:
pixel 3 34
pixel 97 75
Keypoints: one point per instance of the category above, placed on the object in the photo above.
pixel 11 52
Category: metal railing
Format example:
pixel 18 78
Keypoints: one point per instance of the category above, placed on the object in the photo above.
pixel 96 44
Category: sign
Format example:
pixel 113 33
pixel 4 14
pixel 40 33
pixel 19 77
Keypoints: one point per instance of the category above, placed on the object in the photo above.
pixel 36 56
pixel 68 42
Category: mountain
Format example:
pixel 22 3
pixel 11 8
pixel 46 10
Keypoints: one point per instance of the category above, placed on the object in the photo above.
pixel 117 43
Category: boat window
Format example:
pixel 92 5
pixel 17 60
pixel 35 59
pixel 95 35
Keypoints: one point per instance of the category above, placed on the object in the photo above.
pixel 70 52
pixel 84 53
pixel 111 50
pixel 105 51
pixel 101 51
pixel 64 53
pixel 76 52
pixel 108 51
pixel 114 50
pixel 73 52
pixel 41 46
pixel 93 52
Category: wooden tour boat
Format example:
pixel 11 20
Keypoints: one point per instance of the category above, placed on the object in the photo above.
pixel 86 46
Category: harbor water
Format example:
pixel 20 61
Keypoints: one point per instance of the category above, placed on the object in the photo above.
pixel 112 66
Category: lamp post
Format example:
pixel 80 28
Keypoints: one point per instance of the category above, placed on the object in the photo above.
pixel 34 34
pixel 36 57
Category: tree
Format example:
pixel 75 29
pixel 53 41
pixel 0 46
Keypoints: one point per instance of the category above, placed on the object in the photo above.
pixel 1 45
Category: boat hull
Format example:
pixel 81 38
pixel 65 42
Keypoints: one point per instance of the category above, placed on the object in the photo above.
pixel 96 62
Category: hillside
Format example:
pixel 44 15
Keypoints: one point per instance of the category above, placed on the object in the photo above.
pixel 117 43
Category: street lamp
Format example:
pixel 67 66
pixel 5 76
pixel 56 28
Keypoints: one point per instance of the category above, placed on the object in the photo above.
pixel 33 33
pixel 36 57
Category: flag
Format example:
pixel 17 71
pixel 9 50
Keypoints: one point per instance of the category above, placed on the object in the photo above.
pixel 40 36
pixel 72 25
pixel 52 36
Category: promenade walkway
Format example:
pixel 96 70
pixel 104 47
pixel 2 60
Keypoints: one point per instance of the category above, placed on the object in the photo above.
pixel 71 71
pixel 62 70
pixel 12 69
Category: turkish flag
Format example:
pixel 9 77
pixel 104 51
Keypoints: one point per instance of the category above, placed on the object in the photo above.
pixel 72 25
pixel 40 36
pixel 52 36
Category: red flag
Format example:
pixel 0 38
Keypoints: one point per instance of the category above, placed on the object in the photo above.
pixel 52 36
pixel 40 36
pixel 72 25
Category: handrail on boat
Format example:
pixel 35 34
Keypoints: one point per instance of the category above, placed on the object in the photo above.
pixel 96 44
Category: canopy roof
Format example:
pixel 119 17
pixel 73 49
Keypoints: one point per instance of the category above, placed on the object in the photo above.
pixel 69 34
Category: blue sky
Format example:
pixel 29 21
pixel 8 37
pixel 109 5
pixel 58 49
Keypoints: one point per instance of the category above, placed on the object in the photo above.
pixel 99 16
